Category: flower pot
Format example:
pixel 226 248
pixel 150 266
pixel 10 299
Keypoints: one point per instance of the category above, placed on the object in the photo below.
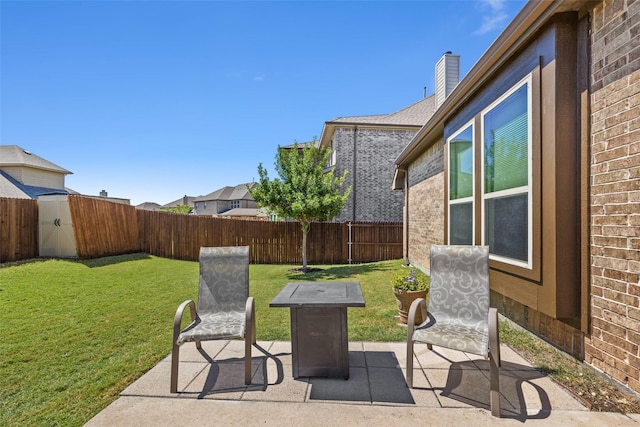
pixel 404 300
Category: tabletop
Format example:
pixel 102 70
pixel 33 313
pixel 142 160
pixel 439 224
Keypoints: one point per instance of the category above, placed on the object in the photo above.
pixel 319 294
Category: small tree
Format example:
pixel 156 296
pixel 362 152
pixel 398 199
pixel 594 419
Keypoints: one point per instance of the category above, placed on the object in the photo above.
pixel 304 191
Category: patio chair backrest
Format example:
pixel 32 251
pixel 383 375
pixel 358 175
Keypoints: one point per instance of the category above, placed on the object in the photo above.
pixel 459 286
pixel 224 279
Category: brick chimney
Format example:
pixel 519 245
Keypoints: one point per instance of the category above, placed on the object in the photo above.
pixel 447 76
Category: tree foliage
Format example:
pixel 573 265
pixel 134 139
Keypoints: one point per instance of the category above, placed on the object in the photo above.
pixel 304 191
pixel 180 209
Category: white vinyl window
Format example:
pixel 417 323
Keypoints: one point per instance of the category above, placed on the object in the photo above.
pixel 333 156
pixel 461 183
pixel 507 176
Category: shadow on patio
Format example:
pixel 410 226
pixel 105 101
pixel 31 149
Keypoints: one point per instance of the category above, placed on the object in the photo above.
pixel 442 379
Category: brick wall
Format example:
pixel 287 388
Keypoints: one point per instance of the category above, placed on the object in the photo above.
pixel 343 145
pixel 426 205
pixel 613 345
pixel 376 151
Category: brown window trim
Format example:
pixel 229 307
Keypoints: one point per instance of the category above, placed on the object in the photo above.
pixel 533 274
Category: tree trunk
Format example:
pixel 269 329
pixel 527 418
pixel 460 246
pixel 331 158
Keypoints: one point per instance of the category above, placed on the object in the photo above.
pixel 305 230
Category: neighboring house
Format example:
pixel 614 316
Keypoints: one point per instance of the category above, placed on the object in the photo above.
pixel 25 175
pixel 536 153
pixel 301 145
pixel 148 206
pixel 105 196
pixel 183 201
pixel 225 199
pixel 367 146
pixel 246 213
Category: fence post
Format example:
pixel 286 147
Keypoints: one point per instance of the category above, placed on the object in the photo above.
pixel 349 242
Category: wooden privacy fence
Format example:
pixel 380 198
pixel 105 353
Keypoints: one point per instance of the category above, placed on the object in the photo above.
pixel 181 236
pixel 104 228
pixel 373 241
pixel 18 229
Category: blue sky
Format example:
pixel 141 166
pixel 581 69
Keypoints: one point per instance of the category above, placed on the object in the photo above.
pixel 153 100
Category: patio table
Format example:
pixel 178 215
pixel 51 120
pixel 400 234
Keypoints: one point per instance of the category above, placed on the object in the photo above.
pixel 319 336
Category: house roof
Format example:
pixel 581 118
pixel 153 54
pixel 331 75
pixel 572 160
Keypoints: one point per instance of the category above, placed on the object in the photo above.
pixel 239 192
pixel 148 206
pixel 181 201
pixel 249 212
pixel 414 116
pixel 300 145
pixel 11 187
pixel 13 155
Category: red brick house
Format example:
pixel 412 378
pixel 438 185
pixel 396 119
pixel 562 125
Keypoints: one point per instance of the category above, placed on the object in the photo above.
pixel 538 154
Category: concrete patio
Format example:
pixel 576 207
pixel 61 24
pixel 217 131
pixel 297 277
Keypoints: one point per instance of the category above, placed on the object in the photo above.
pixel 451 389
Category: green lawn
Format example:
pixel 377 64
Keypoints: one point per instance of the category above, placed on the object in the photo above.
pixel 74 334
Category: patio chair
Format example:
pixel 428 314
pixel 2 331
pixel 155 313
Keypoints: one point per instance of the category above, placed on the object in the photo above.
pixel 225 309
pixel 459 315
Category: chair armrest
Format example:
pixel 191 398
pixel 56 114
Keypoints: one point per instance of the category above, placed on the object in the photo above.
pixel 494 335
pixel 177 320
pixel 250 319
pixel 418 303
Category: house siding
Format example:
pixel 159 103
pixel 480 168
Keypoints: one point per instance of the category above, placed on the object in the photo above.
pixel 613 345
pixel 428 165
pixel 369 157
pixel 36 177
pixel 215 207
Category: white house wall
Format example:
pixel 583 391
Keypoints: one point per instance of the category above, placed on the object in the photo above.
pixel 36 177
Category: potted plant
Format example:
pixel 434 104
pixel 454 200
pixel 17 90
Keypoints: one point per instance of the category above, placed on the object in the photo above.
pixel 408 286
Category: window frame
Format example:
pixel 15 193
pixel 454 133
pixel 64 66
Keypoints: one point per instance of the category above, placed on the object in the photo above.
pixel 468 125
pixel 334 155
pixel 529 188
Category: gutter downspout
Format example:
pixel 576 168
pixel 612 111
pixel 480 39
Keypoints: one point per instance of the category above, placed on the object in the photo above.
pixel 354 181
pixel 405 217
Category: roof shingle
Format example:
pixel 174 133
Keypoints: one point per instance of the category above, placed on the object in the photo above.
pixel 13 155
pixel 10 187
pixel 416 114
